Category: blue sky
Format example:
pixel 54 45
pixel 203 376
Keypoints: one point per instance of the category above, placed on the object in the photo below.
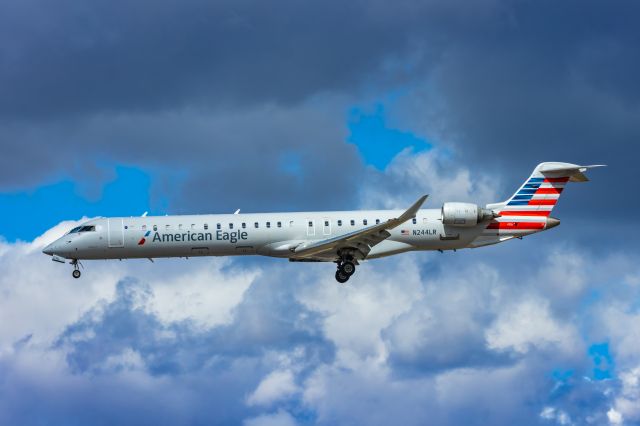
pixel 195 107
pixel 30 212
pixel 378 143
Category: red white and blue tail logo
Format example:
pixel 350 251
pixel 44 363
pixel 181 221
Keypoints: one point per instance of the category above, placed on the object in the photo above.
pixel 529 208
pixel 536 197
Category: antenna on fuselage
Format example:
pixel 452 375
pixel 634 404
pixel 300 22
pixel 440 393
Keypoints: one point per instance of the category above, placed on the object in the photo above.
pixel 145 214
pixel 237 211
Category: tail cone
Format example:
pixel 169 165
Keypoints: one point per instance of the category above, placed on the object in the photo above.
pixel 552 222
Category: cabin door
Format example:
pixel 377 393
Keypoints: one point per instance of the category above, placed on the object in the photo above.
pixel 115 232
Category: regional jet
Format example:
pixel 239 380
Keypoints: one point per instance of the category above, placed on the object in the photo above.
pixel 346 238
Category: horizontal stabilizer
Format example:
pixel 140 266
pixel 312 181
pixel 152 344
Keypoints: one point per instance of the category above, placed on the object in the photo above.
pixel 573 171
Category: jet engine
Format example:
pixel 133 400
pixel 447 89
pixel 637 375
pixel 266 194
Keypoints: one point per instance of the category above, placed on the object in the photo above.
pixel 465 214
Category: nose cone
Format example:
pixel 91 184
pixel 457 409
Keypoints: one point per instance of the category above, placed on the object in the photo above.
pixel 48 250
pixel 552 222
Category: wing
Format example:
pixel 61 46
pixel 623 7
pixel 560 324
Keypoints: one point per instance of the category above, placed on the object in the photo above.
pixel 362 240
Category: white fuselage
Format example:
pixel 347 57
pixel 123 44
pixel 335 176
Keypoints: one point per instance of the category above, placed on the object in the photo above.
pixel 343 237
pixel 267 234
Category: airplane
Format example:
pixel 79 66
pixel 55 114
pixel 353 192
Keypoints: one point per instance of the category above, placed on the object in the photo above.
pixel 342 237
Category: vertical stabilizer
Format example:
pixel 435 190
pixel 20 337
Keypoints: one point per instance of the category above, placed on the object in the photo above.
pixel 528 209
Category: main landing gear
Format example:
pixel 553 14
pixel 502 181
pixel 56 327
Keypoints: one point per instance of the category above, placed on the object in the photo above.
pixel 346 268
pixel 76 271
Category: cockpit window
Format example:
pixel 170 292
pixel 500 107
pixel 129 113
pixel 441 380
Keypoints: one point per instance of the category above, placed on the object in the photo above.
pixel 83 229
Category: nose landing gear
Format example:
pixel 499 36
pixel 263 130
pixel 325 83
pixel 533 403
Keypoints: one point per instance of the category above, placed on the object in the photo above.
pixel 76 271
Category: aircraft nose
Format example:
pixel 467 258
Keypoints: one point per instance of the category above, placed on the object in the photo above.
pixel 552 222
pixel 49 249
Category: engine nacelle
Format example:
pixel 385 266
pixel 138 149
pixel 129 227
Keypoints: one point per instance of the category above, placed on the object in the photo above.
pixel 464 214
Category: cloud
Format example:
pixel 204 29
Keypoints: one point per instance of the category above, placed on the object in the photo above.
pixel 276 385
pixel 627 404
pixel 404 341
pixel 446 337
pixel 279 418
pixel 206 299
pixel 529 324
pixel 431 172
pixel 160 90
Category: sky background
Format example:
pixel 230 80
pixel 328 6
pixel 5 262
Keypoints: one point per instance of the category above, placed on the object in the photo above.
pixel 117 108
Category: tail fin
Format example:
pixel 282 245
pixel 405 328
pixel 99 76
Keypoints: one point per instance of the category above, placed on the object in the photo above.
pixel 539 194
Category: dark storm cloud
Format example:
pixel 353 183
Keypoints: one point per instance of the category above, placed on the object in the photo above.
pixel 72 57
pixel 508 84
pixel 134 81
pixel 542 81
pixel 266 157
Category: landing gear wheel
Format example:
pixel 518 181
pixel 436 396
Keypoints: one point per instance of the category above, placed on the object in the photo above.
pixel 341 277
pixel 348 267
pixel 76 273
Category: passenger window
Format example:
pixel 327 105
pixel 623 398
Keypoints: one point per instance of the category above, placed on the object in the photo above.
pixel 206 226
pixel 364 222
pixel 244 225
pixel 326 223
pixel 218 226
pixel 169 226
pixel 425 220
pixel 279 224
pixel 377 221
pixel 310 224
pixel 414 221
pixel 193 226
pixel 290 223
pixel 268 224
pixel 144 227
pixel 339 222
pixel 353 222
pixel 155 227
pixel 256 225
pixel 231 226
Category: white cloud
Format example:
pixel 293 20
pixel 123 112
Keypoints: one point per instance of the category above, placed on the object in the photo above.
pixel 558 416
pixel 615 418
pixel 279 418
pixel 527 324
pixel 207 297
pixel 39 296
pixel 277 385
pixel 410 175
pixel 627 402
pixel 355 314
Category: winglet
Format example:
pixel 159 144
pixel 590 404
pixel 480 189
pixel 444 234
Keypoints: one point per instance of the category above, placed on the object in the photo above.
pixel 411 211
pixel 311 248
